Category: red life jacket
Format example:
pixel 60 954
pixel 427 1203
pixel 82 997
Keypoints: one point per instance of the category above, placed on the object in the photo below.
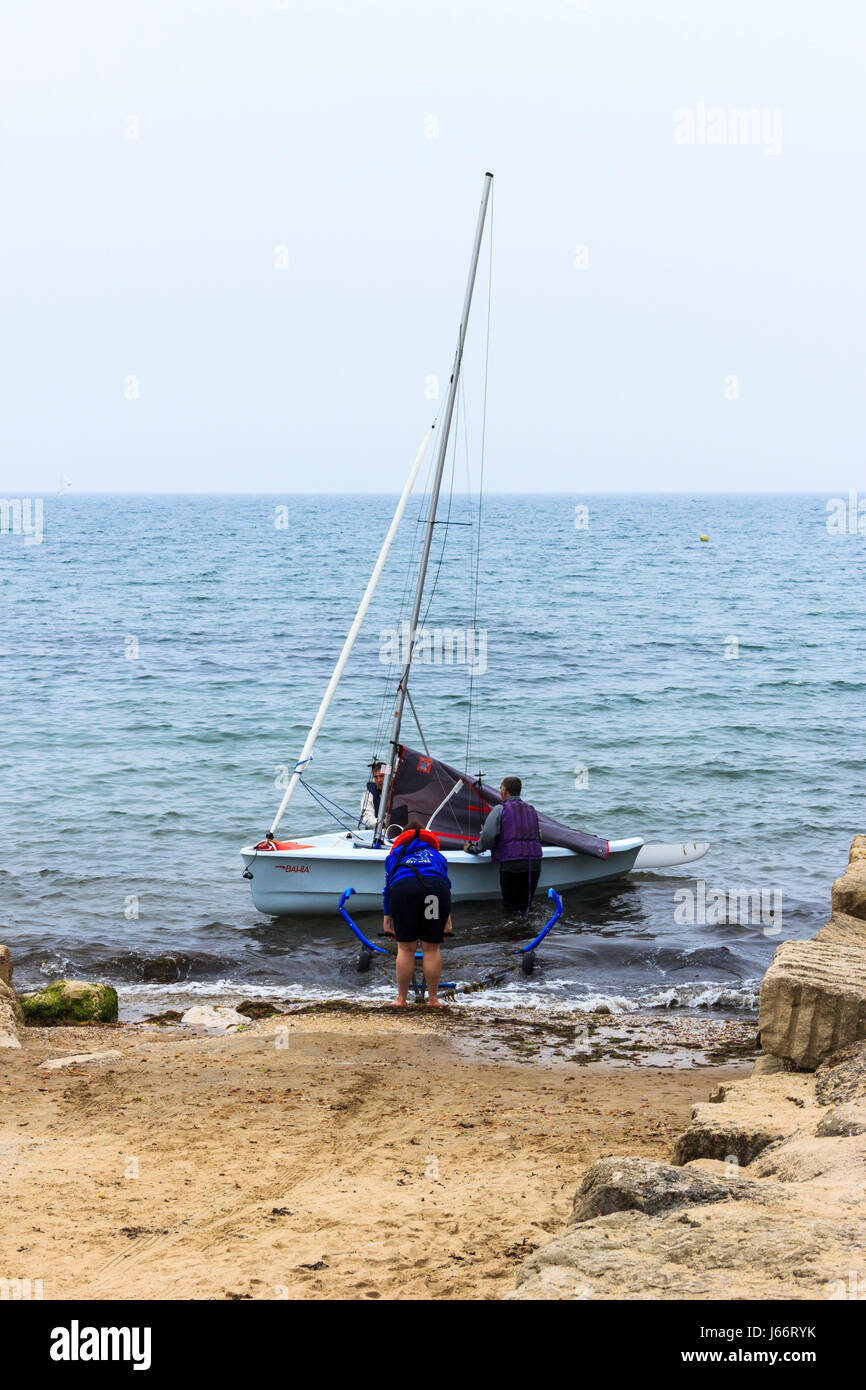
pixel 410 835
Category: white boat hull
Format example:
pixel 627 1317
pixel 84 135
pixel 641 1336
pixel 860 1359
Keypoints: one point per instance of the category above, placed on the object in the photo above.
pixel 309 878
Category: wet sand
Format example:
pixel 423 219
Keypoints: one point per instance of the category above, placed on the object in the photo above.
pixel 334 1152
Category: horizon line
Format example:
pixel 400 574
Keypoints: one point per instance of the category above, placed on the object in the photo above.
pixel 572 492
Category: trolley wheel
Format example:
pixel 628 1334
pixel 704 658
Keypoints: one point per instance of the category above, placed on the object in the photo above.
pixel 364 958
pixel 527 962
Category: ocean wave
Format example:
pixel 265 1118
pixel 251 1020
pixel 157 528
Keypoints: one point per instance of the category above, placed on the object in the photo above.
pixel 559 998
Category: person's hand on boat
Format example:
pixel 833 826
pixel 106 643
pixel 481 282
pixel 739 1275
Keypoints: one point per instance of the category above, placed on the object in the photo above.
pixel 470 847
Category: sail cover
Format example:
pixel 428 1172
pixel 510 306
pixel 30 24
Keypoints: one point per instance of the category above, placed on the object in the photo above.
pixel 424 787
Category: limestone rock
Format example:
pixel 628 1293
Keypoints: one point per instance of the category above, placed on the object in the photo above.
pixel 712 1166
pixel 10 1016
pixel 214 1016
pixel 843 1121
pixel 791 1227
pixel 858 850
pixel 813 1000
pixel 849 891
pixel 734 1249
pixel 842 930
pixel 70 1002
pixel 768 1065
pixel 727 1137
pixel 836 1162
pixel 642 1184
pixel 549 1282
pixel 754 1114
pixel 842 1077
pixel 111 1055
pixel 5 966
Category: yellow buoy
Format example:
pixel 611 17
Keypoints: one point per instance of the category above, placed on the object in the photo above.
pixel 705 538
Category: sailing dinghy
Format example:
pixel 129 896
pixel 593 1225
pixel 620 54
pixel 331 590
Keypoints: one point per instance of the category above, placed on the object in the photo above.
pixel 310 873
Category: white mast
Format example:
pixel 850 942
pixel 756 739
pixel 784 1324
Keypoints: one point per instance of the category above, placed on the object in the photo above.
pixel 431 519
pixel 307 750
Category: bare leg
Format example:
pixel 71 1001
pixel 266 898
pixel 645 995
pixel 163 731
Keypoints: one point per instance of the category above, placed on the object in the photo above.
pixel 405 969
pixel 432 970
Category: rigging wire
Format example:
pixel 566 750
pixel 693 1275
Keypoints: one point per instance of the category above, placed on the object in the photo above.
pixel 424 507
pixel 322 799
pixel 387 682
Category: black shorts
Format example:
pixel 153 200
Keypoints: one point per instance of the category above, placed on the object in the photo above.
pixel 420 907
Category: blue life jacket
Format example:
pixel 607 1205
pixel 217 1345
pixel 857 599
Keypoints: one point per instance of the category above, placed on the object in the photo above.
pixel 414 860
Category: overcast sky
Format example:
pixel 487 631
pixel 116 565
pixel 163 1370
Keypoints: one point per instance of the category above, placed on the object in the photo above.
pixel 235 239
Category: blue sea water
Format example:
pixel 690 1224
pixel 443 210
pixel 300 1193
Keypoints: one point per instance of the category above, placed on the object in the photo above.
pixel 161 658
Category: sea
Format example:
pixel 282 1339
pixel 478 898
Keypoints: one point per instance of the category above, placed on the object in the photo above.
pixel 162 657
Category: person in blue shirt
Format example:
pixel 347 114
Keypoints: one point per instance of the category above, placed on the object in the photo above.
pixel 416 902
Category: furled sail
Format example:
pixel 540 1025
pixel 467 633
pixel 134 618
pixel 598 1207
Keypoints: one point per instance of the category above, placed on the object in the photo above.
pixel 455 807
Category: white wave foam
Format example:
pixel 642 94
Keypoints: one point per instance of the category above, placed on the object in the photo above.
pixel 556 998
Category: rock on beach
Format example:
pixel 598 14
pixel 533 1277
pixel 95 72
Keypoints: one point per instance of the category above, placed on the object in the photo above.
pixel 763 1196
pixel 11 1017
pixel 70 1002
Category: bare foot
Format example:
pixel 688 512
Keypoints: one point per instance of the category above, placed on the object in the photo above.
pixel 436 1004
pixel 399 1004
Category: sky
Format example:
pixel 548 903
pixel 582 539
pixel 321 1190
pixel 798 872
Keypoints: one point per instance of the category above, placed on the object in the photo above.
pixel 235 239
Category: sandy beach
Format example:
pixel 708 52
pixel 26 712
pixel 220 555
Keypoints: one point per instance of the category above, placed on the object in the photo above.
pixel 333 1152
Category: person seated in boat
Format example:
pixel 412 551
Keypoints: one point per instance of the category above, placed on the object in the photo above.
pixel 372 797
pixel 416 903
pixel 511 834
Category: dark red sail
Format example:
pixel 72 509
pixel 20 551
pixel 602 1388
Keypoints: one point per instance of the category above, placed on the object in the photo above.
pixel 426 787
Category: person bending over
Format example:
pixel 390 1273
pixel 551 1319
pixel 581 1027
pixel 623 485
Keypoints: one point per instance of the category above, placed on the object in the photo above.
pixel 416 902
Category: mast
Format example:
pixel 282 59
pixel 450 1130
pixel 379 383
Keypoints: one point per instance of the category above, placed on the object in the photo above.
pixel 403 687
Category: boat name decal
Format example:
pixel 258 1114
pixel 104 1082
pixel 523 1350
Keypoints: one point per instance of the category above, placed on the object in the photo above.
pixel 294 868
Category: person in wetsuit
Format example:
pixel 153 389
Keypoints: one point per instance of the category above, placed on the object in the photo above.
pixel 416 902
pixel 511 833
